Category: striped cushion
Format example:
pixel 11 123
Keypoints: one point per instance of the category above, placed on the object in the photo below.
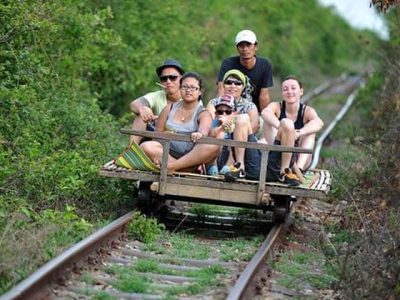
pixel 134 158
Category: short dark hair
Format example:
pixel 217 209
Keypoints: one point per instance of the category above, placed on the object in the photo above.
pixel 294 78
pixel 196 76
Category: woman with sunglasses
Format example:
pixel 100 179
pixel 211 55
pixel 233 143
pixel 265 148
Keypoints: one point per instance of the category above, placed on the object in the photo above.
pixel 240 126
pixel 187 116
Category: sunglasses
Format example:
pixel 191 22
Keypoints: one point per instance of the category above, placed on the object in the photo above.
pixel 170 77
pixel 220 112
pixel 235 82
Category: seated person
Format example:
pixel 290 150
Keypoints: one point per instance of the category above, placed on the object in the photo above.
pixel 229 124
pixel 246 117
pixel 187 116
pixel 148 107
pixel 290 123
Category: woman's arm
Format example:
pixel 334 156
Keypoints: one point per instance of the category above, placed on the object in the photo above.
pixel 270 113
pixel 162 118
pixel 204 120
pixel 312 123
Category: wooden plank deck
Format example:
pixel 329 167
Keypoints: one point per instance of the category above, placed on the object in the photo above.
pixel 317 185
pixel 214 188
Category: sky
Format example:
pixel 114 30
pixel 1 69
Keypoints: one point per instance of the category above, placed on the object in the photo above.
pixel 360 15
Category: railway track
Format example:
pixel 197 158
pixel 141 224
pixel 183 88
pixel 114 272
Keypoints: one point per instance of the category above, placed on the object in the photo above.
pixel 95 267
pixel 104 262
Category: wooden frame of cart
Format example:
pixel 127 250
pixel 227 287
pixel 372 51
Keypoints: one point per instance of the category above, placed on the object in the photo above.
pixel 192 187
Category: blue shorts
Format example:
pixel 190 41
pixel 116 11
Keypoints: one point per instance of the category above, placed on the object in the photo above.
pixel 178 149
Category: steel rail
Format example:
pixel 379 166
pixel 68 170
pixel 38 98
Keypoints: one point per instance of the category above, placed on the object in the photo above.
pixel 31 286
pixel 242 285
pixel 241 288
pixel 35 283
pixel 335 121
pixel 323 87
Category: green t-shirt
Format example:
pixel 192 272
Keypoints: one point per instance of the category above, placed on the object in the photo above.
pixel 157 101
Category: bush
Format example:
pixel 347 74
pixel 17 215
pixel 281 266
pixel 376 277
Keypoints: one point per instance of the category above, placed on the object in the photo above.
pixel 144 229
pixel 371 267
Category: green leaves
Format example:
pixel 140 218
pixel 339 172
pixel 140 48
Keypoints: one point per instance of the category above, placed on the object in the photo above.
pixel 144 229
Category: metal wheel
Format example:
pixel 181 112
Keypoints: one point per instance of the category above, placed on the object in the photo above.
pixel 144 196
pixel 281 208
pixel 279 214
pixel 148 201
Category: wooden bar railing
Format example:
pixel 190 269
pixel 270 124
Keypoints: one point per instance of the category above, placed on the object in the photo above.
pixel 166 137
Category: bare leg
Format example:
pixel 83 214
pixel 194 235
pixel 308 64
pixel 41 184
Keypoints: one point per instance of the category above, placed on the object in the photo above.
pixel 304 159
pixel 200 154
pixel 241 133
pixel 269 133
pixel 286 134
pixel 154 151
pixel 230 160
pixel 137 124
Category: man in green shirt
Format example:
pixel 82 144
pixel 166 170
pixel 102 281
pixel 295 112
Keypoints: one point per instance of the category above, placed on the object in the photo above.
pixel 148 107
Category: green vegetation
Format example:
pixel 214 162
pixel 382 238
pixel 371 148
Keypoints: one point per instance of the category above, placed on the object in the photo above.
pixel 39 236
pixel 131 283
pixel 374 252
pixel 136 278
pixel 186 246
pixel 102 296
pixel 240 248
pixel 68 72
pixel 365 245
pixel 144 229
pixel 299 269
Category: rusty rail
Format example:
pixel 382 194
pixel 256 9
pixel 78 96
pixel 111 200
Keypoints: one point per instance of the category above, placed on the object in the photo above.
pixel 33 285
pixel 242 285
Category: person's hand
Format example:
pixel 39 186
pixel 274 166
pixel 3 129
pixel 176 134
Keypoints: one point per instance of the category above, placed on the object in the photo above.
pixel 196 136
pixel 147 114
pixel 297 134
pixel 227 123
pixel 224 120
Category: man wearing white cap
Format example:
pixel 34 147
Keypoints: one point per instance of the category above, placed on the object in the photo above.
pixel 257 69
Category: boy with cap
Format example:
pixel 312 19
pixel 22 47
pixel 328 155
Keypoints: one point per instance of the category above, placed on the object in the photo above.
pixel 231 124
pixel 257 69
pixel 147 108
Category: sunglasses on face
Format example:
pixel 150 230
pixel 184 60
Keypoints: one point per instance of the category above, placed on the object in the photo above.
pixel 220 112
pixel 170 77
pixel 235 82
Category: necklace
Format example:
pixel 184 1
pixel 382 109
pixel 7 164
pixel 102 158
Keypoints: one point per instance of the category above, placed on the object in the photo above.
pixel 185 115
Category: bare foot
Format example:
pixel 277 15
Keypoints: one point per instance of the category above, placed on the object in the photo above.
pixel 157 163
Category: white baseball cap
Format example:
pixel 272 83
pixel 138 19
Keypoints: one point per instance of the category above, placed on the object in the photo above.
pixel 246 36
